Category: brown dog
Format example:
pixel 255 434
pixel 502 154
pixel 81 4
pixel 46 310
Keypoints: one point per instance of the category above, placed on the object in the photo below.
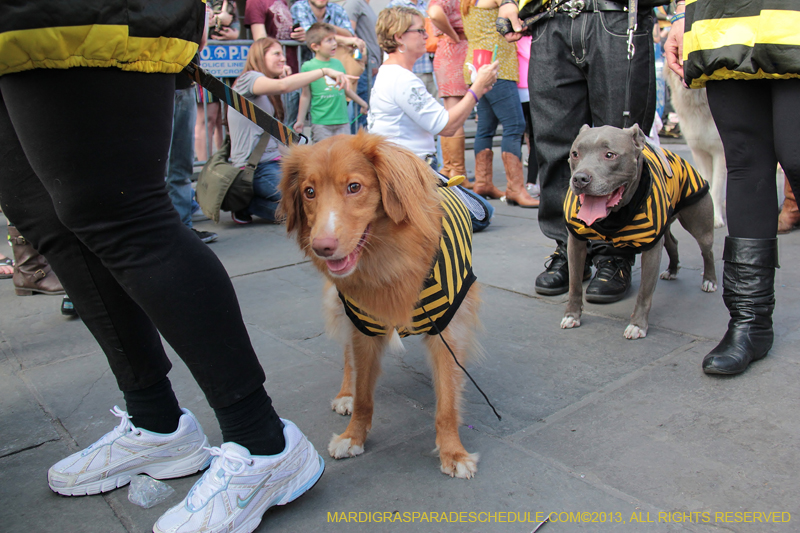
pixel 370 217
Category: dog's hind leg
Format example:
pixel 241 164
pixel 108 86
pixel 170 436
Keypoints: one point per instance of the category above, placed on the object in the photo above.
pixel 448 381
pixel 343 403
pixel 367 353
pixel 697 221
pixel 671 245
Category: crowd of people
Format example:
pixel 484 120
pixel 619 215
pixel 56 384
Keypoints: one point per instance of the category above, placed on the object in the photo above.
pixel 79 169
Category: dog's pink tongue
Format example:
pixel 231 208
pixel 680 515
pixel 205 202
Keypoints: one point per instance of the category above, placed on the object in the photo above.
pixel 341 265
pixel 592 208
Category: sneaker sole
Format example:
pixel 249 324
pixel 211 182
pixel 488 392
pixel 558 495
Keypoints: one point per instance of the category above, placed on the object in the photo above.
pixel 186 466
pixel 555 291
pixel 604 299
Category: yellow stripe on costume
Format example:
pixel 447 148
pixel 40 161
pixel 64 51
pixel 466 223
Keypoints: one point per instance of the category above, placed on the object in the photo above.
pixel 94 45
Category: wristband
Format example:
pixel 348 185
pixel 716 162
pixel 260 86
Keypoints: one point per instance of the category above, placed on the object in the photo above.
pixel 675 18
pixel 475 96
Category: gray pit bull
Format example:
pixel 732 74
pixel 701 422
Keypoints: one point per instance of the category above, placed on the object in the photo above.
pixel 628 193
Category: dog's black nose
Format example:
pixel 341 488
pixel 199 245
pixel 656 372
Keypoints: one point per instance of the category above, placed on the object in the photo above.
pixel 581 179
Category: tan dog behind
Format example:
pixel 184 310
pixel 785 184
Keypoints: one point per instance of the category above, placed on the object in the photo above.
pixel 367 214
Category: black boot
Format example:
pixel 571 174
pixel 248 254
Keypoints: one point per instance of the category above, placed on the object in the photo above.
pixel 748 290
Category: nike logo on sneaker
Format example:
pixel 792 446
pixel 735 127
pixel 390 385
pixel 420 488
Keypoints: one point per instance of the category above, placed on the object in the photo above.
pixel 244 503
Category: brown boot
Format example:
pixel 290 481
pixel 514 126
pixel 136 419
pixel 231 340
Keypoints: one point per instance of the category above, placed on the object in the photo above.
pixel 483 176
pixel 453 150
pixel 447 157
pixel 516 194
pixel 789 218
pixel 32 273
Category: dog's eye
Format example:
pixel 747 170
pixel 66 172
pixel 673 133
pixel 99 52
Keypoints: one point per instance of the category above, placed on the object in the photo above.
pixel 353 188
pixel 309 192
pixel 574 154
pixel 611 155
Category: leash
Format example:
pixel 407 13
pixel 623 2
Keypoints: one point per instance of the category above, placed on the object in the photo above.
pixel 436 328
pixel 632 26
pixel 271 126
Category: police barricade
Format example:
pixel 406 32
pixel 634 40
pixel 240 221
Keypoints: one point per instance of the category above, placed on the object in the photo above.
pixel 225 60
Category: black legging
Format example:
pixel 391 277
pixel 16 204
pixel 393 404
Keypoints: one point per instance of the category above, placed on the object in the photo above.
pixel 759 122
pixel 83 156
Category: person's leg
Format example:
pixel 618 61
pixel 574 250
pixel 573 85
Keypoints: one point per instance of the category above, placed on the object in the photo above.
pixel 607 68
pixel 559 103
pixel 266 195
pixel 786 119
pixel 743 112
pixel 113 200
pixel 181 154
pixel 291 106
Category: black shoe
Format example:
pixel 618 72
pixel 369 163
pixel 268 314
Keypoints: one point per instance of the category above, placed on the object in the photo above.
pixel 555 279
pixel 611 281
pixel 67 308
pixel 748 290
pixel 205 236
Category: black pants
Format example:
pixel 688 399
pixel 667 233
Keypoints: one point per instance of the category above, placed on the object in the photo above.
pixel 83 154
pixel 576 76
pixel 759 122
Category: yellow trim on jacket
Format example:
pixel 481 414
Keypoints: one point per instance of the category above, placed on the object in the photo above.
pixel 674 184
pixel 446 286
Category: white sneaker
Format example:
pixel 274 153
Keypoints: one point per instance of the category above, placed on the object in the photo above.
pixel 127 451
pixel 238 488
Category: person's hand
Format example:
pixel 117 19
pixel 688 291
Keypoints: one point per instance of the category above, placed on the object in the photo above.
pixel 364 109
pixel 299 125
pixel 226 33
pixel 287 71
pixel 342 79
pixel 511 12
pixel 223 17
pixel 673 48
pixel 298 34
pixel 487 76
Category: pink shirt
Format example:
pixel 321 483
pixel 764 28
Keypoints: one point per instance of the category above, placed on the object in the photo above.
pixel 523 56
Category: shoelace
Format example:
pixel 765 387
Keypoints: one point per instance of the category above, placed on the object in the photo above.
pixel 125 426
pixel 226 464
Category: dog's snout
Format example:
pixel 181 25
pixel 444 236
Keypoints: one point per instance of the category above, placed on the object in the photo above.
pixel 581 179
pixel 325 246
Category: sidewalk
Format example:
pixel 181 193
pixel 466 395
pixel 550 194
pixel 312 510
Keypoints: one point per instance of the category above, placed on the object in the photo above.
pixel 592 422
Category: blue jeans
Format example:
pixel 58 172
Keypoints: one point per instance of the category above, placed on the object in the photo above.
pixel 363 90
pixel 291 104
pixel 266 195
pixel 181 154
pixel 500 106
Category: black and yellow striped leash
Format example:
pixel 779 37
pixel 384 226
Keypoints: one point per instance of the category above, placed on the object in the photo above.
pixel 272 126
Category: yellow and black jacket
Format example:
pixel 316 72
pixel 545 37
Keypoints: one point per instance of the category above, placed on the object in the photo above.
pixel 447 284
pixel 741 40
pixel 668 184
pixel 142 36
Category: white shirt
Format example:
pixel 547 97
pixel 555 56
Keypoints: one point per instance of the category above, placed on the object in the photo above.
pixel 401 109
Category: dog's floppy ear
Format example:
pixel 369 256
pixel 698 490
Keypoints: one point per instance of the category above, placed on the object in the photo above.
pixel 291 206
pixel 638 137
pixel 405 180
pixel 584 128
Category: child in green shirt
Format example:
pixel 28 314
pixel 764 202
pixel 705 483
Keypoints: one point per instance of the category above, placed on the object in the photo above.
pixel 327 102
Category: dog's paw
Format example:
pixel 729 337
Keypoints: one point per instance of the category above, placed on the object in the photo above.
pixel 635 332
pixel 461 464
pixel 718 221
pixel 668 275
pixel 709 286
pixel 340 448
pixel 569 322
pixel 343 405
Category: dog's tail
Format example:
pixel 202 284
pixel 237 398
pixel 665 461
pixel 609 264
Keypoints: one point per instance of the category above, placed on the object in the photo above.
pixel 395 345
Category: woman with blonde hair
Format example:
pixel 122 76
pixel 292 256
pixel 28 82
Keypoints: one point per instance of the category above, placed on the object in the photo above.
pixel 262 81
pixel 500 106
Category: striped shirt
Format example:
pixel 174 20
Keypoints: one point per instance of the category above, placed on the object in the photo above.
pixel 668 184
pixel 447 283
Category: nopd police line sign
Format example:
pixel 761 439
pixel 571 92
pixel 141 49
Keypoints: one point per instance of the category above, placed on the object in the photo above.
pixel 224 59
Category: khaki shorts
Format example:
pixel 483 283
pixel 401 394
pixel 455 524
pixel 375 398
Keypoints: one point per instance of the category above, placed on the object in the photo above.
pixel 322 131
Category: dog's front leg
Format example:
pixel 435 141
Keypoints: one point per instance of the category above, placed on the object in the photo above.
pixel 576 258
pixel 367 353
pixel 343 403
pixel 651 262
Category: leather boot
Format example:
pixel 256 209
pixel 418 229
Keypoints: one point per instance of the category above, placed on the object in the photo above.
pixel 455 147
pixel 483 176
pixel 789 218
pixel 748 290
pixel 516 194
pixel 447 157
pixel 32 272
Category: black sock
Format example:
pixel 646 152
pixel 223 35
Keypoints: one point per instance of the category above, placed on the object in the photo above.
pixel 155 408
pixel 253 423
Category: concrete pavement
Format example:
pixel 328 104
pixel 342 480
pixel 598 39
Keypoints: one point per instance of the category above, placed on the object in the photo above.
pixel 629 431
